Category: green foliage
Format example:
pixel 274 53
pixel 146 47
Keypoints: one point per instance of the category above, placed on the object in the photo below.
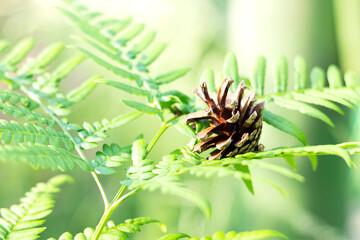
pixel 43 156
pixel 111 156
pixel 254 235
pixel 141 168
pixel 90 134
pixel 31 133
pixel 114 232
pixel 126 49
pixel 24 221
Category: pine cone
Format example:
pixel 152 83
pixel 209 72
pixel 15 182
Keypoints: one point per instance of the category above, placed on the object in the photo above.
pixel 235 122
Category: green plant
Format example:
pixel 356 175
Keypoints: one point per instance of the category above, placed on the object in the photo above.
pixel 47 139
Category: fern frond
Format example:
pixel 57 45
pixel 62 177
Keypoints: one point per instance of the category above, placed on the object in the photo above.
pixel 284 125
pixel 7 96
pixel 232 235
pixel 114 232
pixel 111 38
pixel 23 112
pixel 123 54
pixel 42 60
pixel 24 221
pixel 80 93
pixel 91 131
pixel 90 134
pixel 3 45
pixel 48 83
pixel 18 52
pixel 170 164
pixel 31 133
pixel 141 168
pixel 305 98
pixel 171 185
pixel 111 156
pixel 344 150
pixel 319 95
pixel 43 156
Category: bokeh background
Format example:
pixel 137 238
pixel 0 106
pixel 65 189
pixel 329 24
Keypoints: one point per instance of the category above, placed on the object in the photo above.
pixel 200 33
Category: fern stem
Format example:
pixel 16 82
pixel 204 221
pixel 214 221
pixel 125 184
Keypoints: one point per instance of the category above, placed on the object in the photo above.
pixel 157 136
pixel 123 198
pixel 78 150
pixel 104 219
pixel 109 210
pixel 118 194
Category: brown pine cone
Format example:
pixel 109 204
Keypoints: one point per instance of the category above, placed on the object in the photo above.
pixel 235 122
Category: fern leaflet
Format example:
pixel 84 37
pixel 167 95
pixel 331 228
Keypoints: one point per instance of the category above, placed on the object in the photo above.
pixel 114 232
pixel 43 156
pixel 24 221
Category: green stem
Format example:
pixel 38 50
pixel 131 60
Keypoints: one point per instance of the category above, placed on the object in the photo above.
pixel 109 211
pixel 104 219
pixel 118 194
pixel 117 200
pixel 157 136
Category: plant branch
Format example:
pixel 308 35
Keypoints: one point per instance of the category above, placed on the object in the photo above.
pixel 156 137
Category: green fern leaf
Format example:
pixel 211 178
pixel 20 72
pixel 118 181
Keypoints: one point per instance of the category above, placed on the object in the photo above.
pixel 80 93
pixel 117 70
pixel 3 45
pixel 142 107
pixel 96 132
pixel 257 82
pixel 141 45
pixel 18 52
pixel 174 236
pixel 342 150
pixel 317 77
pixel 300 74
pixel 334 77
pixel 15 98
pixel 115 56
pixel 43 156
pixel 330 97
pixel 248 182
pixel 44 58
pixel 316 101
pixel 125 87
pixel 24 112
pixel 169 164
pixel 67 67
pixel 150 56
pixel 185 129
pixel 232 235
pixel 142 167
pixel 230 69
pixel 208 77
pixel 23 221
pixel 171 76
pixel 280 74
pixel 351 79
pixel 111 156
pixel 259 234
pixel 30 133
pixel 303 108
pixel 123 37
pixel 284 125
pixel 112 231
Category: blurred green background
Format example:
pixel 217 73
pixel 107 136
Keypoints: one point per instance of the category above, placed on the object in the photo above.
pixel 200 33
